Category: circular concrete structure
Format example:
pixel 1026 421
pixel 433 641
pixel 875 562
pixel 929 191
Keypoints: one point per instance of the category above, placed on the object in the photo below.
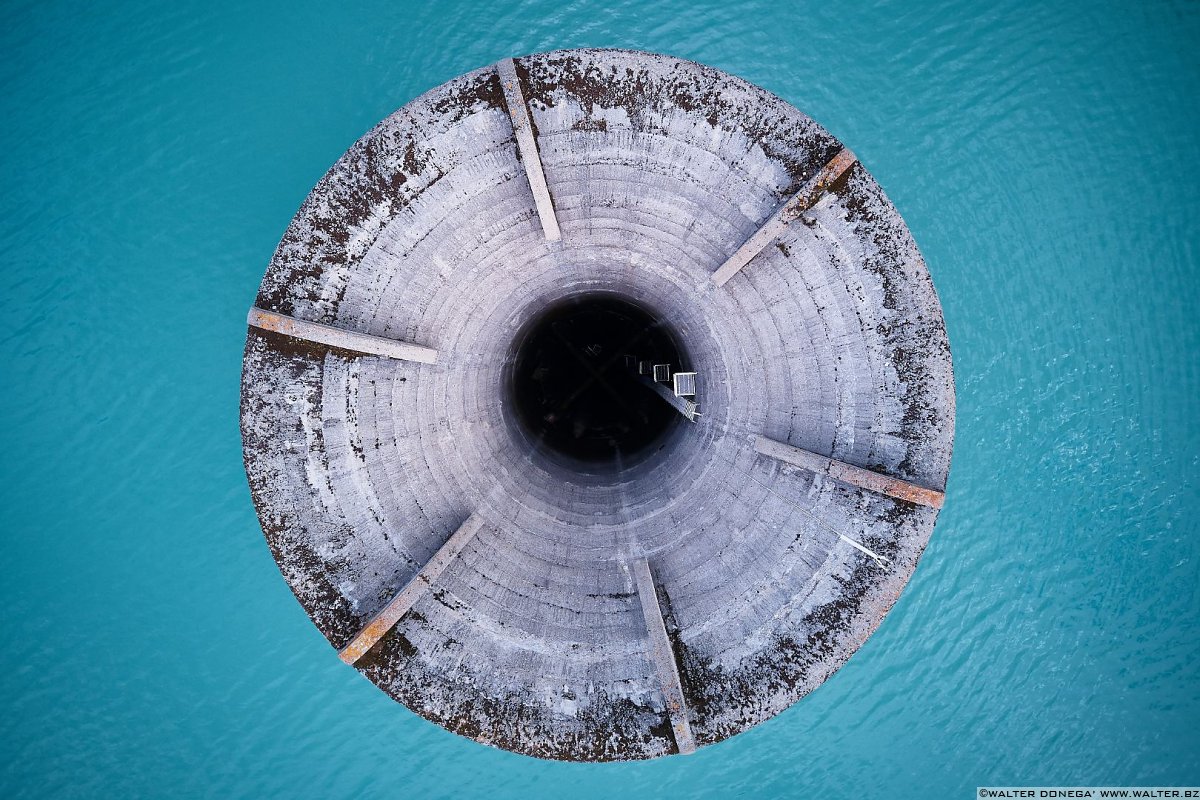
pixel 490 522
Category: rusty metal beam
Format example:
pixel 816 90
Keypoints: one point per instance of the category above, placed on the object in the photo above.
pixel 337 337
pixel 848 473
pixel 518 111
pixel 664 657
pixel 413 591
pixel 800 202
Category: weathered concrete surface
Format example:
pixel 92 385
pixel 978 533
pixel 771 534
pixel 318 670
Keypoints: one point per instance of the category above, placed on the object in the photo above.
pixel 413 591
pixel 664 657
pixel 803 200
pixel 518 112
pixel 335 337
pixel 533 638
pixel 857 476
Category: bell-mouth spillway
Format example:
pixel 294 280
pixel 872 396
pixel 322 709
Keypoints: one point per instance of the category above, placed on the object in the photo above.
pixel 716 520
pixel 575 386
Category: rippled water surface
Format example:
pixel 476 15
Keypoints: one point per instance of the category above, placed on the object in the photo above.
pixel 1044 155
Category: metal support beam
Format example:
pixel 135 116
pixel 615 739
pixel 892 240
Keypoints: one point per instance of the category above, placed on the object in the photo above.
pixel 413 591
pixel 518 111
pixel 848 473
pixel 680 404
pixel 800 202
pixel 664 657
pixel 336 337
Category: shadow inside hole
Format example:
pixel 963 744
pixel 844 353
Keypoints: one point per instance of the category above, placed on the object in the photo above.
pixel 574 389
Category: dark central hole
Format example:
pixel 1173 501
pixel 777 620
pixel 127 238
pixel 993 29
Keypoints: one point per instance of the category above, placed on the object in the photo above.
pixel 572 385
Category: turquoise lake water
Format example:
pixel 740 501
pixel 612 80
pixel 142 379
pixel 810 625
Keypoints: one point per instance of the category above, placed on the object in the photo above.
pixel 1047 160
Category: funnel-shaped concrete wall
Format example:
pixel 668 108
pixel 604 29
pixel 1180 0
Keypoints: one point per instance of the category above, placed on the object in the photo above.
pixel 493 585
